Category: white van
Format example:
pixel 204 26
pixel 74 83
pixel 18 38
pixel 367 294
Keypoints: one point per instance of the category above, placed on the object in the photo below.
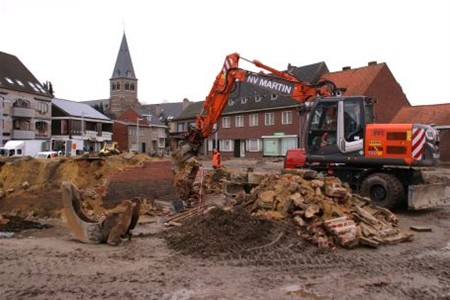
pixel 46 154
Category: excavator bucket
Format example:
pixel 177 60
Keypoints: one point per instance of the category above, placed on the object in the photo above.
pixel 428 196
pixel 111 230
pixel 180 156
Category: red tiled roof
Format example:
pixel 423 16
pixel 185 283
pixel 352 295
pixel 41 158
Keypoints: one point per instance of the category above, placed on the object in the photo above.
pixel 438 114
pixel 356 81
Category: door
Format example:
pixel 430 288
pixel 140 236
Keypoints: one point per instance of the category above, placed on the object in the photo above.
pixel 242 148
pixel 237 148
pixel 351 121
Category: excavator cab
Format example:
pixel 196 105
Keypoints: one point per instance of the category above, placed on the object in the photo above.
pixel 336 127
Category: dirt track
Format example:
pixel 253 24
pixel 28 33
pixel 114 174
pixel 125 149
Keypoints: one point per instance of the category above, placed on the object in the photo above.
pixel 47 264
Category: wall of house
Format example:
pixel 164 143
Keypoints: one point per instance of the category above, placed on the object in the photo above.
pixel 389 94
pixel 444 148
pixel 120 135
pixel 256 132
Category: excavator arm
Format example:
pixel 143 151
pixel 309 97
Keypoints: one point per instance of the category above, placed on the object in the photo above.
pixel 277 82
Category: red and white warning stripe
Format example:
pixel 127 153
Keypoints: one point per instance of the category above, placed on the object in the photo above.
pixel 418 143
pixel 227 64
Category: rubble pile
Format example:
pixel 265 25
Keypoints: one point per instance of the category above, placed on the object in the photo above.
pixel 185 177
pixel 326 212
pixel 213 180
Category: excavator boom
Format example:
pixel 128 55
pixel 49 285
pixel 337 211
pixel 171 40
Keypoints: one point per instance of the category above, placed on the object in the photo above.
pixel 276 81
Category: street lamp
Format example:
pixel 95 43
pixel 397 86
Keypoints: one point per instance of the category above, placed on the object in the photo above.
pixel 137 133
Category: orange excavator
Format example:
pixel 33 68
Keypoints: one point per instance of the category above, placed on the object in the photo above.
pixel 340 138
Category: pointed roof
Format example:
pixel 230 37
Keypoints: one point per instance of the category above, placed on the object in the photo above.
pixel 15 76
pixel 124 65
pixel 355 81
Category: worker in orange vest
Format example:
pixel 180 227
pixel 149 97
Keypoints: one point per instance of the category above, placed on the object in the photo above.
pixel 216 161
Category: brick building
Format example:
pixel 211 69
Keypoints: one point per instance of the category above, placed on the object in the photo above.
pixel 437 115
pixel 374 80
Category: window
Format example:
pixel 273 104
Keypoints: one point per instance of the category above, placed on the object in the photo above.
pixel 226 122
pixel 180 127
pixel 132 86
pixel 239 121
pixel 269 119
pixel 226 145
pixel 286 117
pixel 353 121
pixel 33 86
pixel 258 98
pixel 273 96
pixel 253 120
pixel 244 100
pixel 42 107
pixel 9 80
pixel 161 142
pixel 127 86
pixel 253 145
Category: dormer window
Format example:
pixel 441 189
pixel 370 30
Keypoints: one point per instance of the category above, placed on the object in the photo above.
pixel 244 100
pixel 9 80
pixel 273 96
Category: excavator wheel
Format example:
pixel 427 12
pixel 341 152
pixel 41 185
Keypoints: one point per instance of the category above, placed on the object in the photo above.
pixel 384 190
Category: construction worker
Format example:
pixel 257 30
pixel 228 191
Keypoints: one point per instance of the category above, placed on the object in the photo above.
pixel 216 161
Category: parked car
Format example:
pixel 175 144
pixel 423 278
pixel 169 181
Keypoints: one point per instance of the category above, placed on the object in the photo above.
pixel 46 154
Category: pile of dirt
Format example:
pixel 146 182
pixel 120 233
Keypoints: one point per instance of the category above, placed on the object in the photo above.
pixel 33 185
pixel 220 231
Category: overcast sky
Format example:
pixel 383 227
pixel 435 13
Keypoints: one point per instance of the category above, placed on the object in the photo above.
pixel 178 46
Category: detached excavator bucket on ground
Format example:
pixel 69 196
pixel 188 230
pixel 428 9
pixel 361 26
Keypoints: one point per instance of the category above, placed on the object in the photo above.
pixel 111 230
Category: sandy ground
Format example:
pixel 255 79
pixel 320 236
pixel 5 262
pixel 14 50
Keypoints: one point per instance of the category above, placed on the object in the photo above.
pixel 48 264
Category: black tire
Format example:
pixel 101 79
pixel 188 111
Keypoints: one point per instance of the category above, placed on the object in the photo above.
pixel 384 190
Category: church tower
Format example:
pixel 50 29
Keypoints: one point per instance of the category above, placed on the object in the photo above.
pixel 123 82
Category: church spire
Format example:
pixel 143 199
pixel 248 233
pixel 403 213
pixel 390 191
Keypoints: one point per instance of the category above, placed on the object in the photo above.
pixel 124 65
pixel 123 83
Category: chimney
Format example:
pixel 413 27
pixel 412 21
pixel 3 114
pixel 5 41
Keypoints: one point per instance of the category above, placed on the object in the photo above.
pixel 158 110
pixel 186 103
pixel 346 68
pixel 372 63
